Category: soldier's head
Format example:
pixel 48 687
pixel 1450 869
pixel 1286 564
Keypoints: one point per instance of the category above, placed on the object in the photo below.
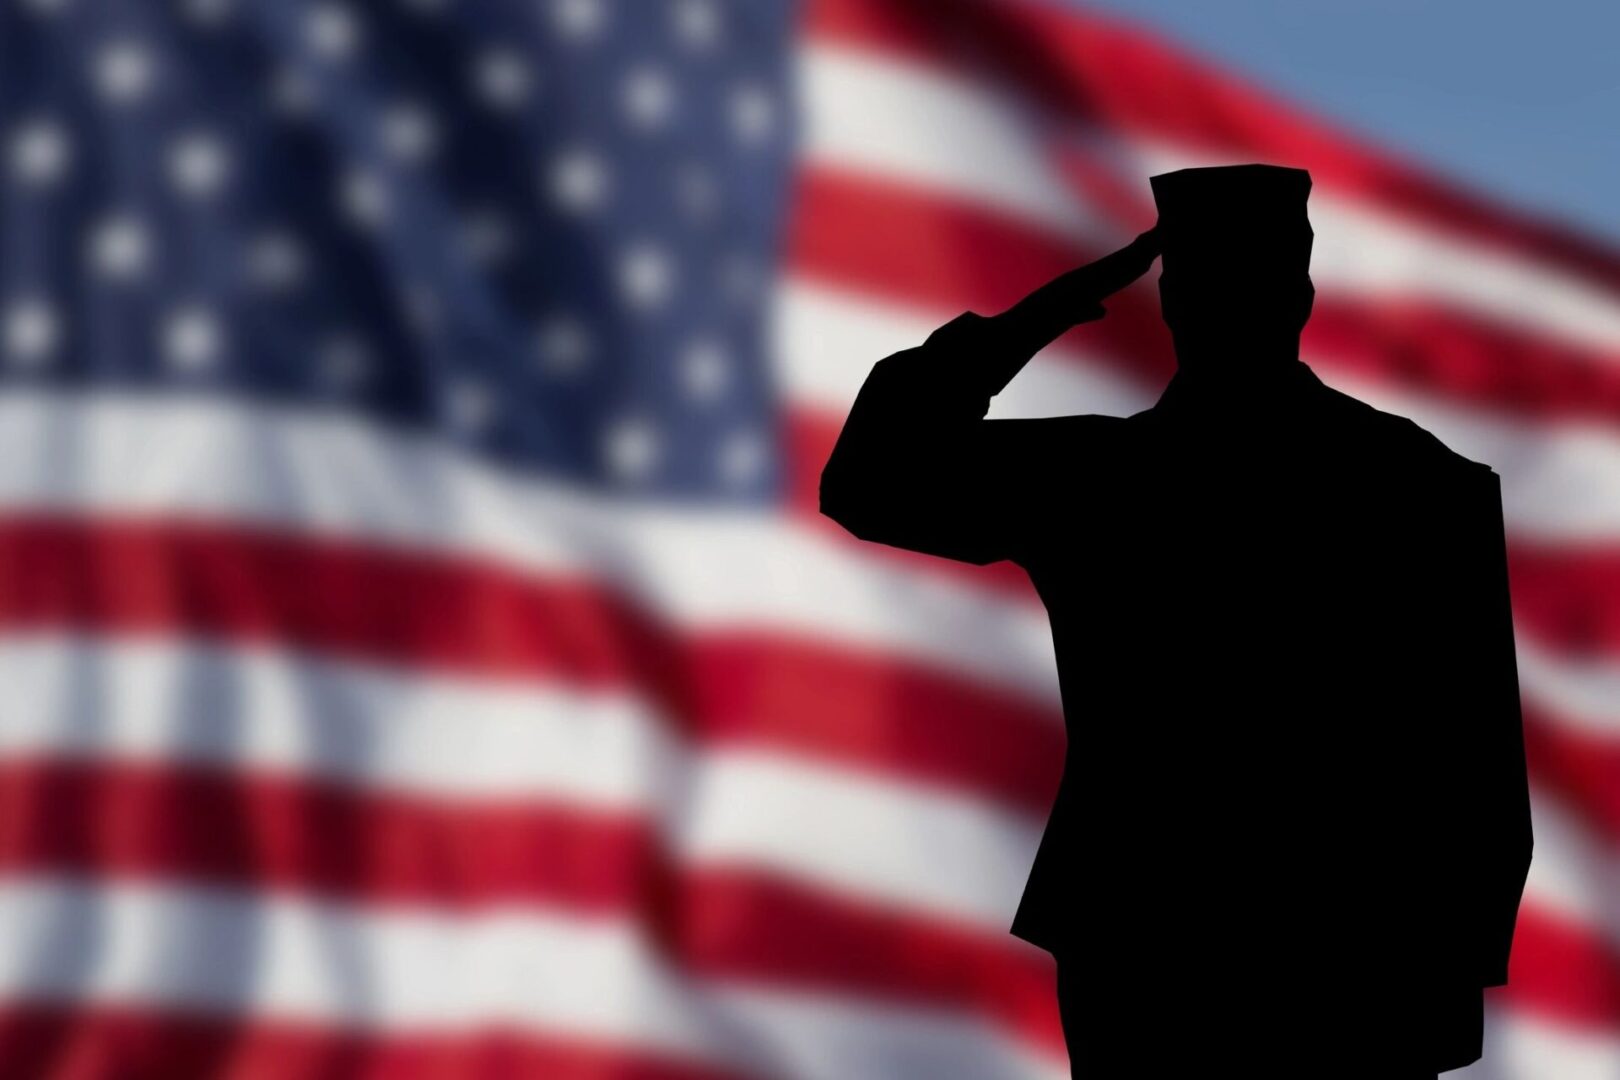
pixel 1235 249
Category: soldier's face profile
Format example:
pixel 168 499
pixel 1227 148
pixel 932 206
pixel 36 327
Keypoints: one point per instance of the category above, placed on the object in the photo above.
pixel 1201 296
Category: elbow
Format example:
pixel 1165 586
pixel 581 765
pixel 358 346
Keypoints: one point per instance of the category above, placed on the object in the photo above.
pixel 830 509
pixel 831 497
pixel 851 509
pixel 834 505
pixel 841 494
pixel 863 525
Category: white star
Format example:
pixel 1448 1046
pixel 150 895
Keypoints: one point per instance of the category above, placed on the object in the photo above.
pixel 343 362
pixel 697 22
pixel 332 31
pixel 409 132
pixel 696 192
pixel 486 237
pixel 364 198
pixel 649 97
pixel 198 164
pixel 30 331
pixel 646 275
pixel 704 369
pixel 207 13
pixel 40 152
pixel 191 338
pixel 577 19
pixel 742 456
pixel 563 345
pixel 578 181
pixel 503 78
pixel 470 405
pixel 753 112
pixel 631 447
pixel 124 71
pixel 275 261
pixel 120 247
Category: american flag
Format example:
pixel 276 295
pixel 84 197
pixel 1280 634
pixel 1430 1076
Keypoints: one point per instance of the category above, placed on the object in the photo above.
pixel 420 651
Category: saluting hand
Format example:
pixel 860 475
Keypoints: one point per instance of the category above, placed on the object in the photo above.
pixel 1078 292
pixel 1113 271
pixel 999 346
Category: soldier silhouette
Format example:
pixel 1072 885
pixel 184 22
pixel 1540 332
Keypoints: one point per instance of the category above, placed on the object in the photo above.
pixel 1293 826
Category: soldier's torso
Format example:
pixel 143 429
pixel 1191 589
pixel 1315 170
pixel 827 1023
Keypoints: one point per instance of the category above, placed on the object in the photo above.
pixel 1225 617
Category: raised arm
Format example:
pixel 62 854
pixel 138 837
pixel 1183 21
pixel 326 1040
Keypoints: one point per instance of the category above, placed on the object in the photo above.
pixel 918 466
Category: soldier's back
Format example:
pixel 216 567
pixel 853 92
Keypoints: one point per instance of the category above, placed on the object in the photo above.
pixel 1245 713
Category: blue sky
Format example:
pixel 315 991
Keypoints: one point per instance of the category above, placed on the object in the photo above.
pixel 1518 100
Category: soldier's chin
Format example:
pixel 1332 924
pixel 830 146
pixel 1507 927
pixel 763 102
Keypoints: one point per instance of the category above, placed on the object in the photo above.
pixel 1228 328
pixel 1241 318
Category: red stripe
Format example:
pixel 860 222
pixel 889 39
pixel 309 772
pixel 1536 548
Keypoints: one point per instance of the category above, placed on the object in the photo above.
pixel 1465 359
pixel 326 837
pixel 1582 766
pixel 88 1042
pixel 915 245
pixel 168 578
pixel 928 250
pixel 1562 970
pixel 1125 80
pixel 296 832
pixel 901 243
pixel 752 686
pixel 127 822
pixel 266 832
pixel 105 1042
pixel 1568 595
pixel 869 712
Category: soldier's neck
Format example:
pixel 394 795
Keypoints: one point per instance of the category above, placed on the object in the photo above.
pixel 1236 363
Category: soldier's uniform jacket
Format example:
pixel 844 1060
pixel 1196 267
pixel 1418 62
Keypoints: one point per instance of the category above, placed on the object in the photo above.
pixel 1285 650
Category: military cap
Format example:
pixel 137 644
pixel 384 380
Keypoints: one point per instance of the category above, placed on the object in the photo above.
pixel 1254 213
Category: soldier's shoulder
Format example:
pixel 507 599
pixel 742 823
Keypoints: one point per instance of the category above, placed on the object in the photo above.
pixel 1413 442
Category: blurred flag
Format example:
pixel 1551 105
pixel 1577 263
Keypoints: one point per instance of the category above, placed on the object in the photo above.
pixel 421 653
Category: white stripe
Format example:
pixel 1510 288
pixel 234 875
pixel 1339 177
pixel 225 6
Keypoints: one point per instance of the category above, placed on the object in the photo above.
pixel 190 702
pixel 702 569
pixel 1580 693
pixel 182 702
pixel 907 122
pixel 1521 1046
pixel 1559 481
pixel 869 835
pixel 417 972
pixel 1574 872
pixel 865 836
